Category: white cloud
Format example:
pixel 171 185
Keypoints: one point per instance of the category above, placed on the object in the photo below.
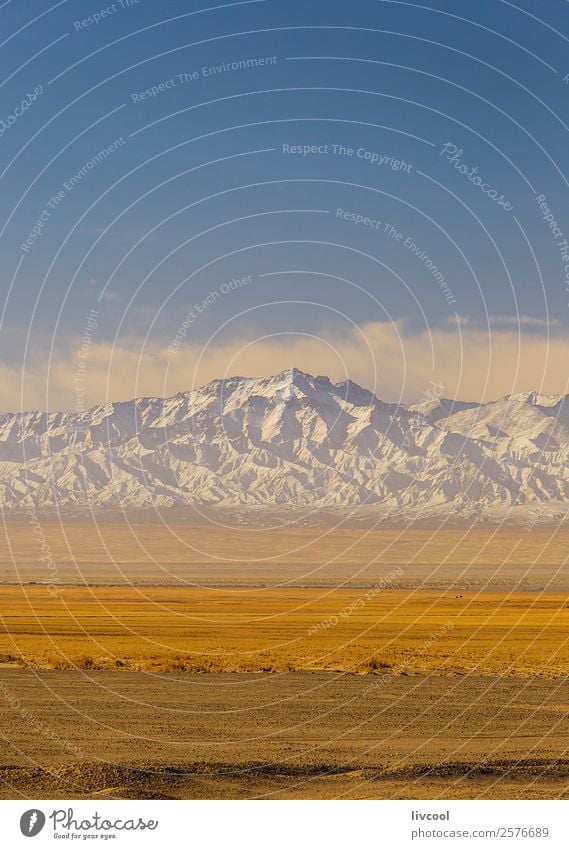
pixel 471 363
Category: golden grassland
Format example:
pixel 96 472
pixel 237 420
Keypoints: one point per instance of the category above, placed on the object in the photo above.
pixel 455 601
pixel 388 631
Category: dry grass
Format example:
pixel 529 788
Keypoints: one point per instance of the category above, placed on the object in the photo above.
pixel 261 626
pixel 390 632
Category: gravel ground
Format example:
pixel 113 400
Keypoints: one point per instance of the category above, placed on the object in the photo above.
pixel 68 734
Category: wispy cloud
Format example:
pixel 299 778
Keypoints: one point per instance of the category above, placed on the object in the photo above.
pixel 504 321
pixel 471 363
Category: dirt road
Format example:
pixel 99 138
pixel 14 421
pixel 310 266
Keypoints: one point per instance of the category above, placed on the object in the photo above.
pixel 70 734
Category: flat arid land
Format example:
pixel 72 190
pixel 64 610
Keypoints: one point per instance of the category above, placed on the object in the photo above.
pixel 214 549
pixel 302 663
pixel 295 735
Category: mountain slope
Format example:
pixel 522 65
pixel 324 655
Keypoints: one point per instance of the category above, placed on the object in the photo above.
pixel 291 439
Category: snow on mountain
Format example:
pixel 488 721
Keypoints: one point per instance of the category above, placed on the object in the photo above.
pixel 291 439
pixel 441 408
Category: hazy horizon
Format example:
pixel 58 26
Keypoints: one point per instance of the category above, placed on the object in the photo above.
pixel 433 391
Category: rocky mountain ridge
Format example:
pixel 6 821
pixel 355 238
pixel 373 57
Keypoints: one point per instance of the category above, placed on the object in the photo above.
pixel 292 439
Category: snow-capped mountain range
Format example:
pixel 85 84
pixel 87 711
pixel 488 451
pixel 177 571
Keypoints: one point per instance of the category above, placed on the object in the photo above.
pixel 292 440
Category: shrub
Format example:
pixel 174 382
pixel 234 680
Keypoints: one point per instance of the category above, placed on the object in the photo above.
pixel 376 665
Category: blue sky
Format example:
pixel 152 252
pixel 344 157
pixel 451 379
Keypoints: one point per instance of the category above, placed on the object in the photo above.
pixel 200 187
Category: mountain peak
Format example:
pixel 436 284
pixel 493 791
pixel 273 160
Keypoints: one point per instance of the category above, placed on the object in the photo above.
pixel 536 399
pixel 293 381
pixel 292 375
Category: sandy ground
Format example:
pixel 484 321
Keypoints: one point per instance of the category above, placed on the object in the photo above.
pixel 295 735
pixel 138 549
pixel 182 691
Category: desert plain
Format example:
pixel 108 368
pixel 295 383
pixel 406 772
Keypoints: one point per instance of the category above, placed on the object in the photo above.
pixel 145 658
